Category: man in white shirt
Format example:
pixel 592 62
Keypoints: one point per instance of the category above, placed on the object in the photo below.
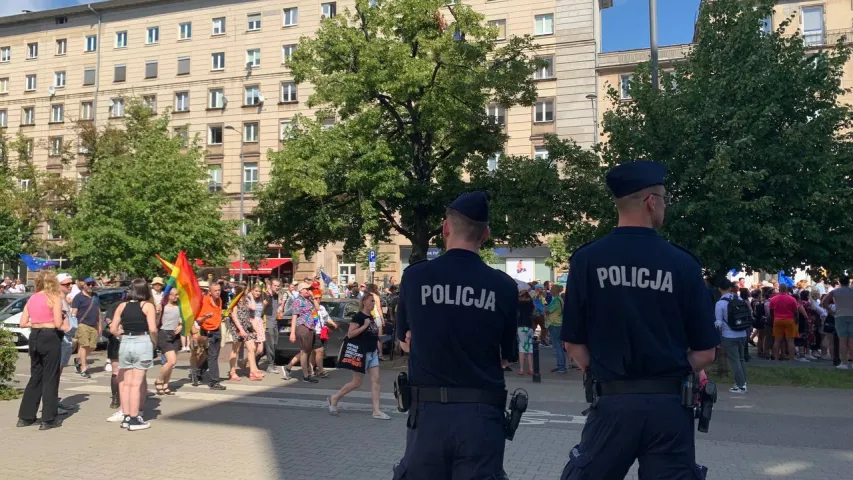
pixel 18 288
pixel 819 287
pixel 77 288
pixel 733 342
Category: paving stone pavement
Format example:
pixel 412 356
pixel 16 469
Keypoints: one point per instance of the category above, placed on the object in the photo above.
pixel 278 430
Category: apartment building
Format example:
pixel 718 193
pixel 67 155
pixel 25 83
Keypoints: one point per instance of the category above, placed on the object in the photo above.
pixel 821 23
pixel 219 67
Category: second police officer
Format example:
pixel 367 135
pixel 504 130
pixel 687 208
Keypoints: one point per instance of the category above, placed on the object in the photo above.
pixel 457 317
pixel 638 315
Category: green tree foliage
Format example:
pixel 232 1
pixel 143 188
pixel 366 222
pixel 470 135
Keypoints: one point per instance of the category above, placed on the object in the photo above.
pixel 407 82
pixel 755 140
pixel 559 259
pixel 146 194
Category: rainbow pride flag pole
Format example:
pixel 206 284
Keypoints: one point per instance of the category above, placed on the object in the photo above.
pixel 182 277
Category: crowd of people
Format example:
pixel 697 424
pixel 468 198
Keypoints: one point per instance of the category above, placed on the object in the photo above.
pixel 9 285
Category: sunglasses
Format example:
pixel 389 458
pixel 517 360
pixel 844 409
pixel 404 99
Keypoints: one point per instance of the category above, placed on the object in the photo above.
pixel 91 284
pixel 66 284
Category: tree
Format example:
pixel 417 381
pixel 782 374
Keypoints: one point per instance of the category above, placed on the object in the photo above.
pixel 147 196
pixel 559 259
pixel 755 140
pixel 407 82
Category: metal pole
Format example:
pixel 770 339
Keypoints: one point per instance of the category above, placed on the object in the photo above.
pixel 653 41
pixel 242 220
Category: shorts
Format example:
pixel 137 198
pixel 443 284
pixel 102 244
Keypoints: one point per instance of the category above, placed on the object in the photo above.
pixel 305 338
pixel 525 339
pixel 113 344
pixel 66 350
pixel 169 341
pixel 785 328
pixel 318 344
pixel 136 352
pixel 371 359
pixel 844 327
pixel 87 336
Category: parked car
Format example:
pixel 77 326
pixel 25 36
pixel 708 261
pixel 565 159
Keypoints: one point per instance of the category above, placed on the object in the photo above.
pixel 12 303
pixel 341 310
pixel 22 335
pixel 562 279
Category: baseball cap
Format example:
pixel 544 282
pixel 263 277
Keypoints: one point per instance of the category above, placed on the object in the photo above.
pixel 63 277
pixel 89 280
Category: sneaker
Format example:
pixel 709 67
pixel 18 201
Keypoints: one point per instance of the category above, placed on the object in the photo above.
pixel 310 379
pixel 323 374
pixel 743 389
pixel 735 389
pixel 108 367
pixel 217 386
pixel 555 370
pixel 285 373
pixel 125 421
pixel 62 411
pixel 272 369
pixel 843 367
pixel 116 417
pixel 381 416
pixel 810 357
pixel 77 366
pixel 803 359
pixel 85 374
pixel 332 408
pixel 137 423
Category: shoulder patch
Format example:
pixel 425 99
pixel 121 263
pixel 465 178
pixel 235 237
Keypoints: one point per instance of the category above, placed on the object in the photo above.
pixel 694 257
pixel 581 248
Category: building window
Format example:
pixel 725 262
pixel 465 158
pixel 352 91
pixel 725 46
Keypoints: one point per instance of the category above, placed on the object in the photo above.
pixel 4 119
pixel 61 20
pixel 55 146
pixel 5 54
pixel 218 26
pixel 328 10
pixel 185 31
pixel 250 176
pixel 121 39
pixel 545 72
pixel 766 25
pixel 540 153
pixel 290 16
pixel 57 113
pixel 372 3
pixel 59 79
pixel 253 95
pixel 91 43
pixel 492 162
pixel 217 61
pixel 116 107
pixel 285 130
pixel 253 57
pixel 31 83
pixel 288 92
pixel 625 86
pixel 28 116
pixel 53 232
pixel 120 73
pixel 182 134
pixel 4 85
pixel 254 22
pixel 85 110
pixel 183 65
pixel 88 76
pixel 150 101
pixel 182 101
pixel 544 24
pixel 152 36
pixel 32 51
pixel 82 179
pixel 328 123
pixel 214 181
pixel 544 111
pixel 217 98
pixel 25 184
pixel 501 26
pixel 61 46
pixel 214 134
pixel 812 21
pixel 287 52
pixel 497 114
pixel 151 69
pixel 250 132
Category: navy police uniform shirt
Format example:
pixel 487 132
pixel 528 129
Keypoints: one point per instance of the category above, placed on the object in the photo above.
pixel 461 313
pixel 638 303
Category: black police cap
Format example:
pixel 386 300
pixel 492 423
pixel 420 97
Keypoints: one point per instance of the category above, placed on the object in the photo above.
pixel 474 205
pixel 632 177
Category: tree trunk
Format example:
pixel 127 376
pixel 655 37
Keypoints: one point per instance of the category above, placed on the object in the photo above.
pixel 420 240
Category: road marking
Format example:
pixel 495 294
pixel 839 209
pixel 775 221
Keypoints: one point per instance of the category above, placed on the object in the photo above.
pixel 541 417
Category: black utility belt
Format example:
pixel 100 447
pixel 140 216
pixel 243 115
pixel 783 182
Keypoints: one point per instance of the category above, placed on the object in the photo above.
pixel 648 386
pixel 458 395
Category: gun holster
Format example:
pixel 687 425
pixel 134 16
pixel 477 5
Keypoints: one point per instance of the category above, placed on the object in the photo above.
pixel 590 390
pixel 402 392
pixel 517 407
pixel 705 405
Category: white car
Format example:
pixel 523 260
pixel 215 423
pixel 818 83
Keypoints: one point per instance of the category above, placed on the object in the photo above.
pixel 22 334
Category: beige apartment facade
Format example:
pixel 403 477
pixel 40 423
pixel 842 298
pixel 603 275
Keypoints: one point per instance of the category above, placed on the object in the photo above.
pixel 218 66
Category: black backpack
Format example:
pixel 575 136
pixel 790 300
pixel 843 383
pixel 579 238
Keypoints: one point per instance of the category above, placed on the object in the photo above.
pixel 739 317
pixel 758 317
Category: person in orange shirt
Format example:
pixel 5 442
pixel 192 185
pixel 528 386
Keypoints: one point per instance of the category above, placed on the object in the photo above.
pixel 209 319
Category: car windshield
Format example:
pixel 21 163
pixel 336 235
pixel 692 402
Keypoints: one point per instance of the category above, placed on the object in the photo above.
pixel 334 309
pixel 5 302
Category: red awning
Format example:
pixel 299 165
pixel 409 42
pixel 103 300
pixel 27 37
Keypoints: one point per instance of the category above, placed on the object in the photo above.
pixel 266 268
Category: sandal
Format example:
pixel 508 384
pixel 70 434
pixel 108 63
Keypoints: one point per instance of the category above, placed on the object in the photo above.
pixel 166 391
pixel 233 378
pixel 256 377
pixel 159 387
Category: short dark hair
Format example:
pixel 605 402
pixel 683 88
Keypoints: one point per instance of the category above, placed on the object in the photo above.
pixel 804 294
pixel 139 290
pixel 724 284
pixel 470 230
pixel 845 281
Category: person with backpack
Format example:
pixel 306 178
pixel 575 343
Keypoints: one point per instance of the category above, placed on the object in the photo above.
pixel 733 317
pixel 759 318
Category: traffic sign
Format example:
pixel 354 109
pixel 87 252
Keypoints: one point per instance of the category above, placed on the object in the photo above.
pixel 372 267
pixel 371 256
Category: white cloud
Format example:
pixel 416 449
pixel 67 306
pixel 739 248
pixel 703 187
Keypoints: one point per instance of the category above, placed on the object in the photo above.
pixel 14 7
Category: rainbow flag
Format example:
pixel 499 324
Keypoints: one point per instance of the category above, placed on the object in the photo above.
pixel 233 303
pixel 182 277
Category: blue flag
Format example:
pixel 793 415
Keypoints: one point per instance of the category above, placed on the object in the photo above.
pixel 326 279
pixel 785 280
pixel 733 272
pixel 36 264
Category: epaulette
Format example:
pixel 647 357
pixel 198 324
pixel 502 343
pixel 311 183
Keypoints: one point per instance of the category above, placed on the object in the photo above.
pixel 687 252
pixel 581 248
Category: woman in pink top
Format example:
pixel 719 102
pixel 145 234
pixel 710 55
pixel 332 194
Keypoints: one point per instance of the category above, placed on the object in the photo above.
pixel 43 315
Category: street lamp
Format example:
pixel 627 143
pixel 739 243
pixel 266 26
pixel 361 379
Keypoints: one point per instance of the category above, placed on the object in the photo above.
pixel 242 196
pixel 592 98
pixel 653 41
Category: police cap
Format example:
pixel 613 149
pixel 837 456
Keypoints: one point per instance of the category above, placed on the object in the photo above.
pixel 632 177
pixel 474 205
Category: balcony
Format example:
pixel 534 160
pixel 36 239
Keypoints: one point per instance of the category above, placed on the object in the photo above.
pixel 831 37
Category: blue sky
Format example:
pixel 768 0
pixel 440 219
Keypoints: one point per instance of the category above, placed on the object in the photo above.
pixel 625 25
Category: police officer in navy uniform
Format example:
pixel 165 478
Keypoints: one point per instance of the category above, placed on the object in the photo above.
pixel 637 314
pixel 456 316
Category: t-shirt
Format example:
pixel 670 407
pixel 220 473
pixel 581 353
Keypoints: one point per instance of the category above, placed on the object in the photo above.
pixel 554 312
pixel 783 306
pixel 81 303
pixel 525 314
pixel 208 305
pixel 171 317
pixel 368 338
pixel 304 311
